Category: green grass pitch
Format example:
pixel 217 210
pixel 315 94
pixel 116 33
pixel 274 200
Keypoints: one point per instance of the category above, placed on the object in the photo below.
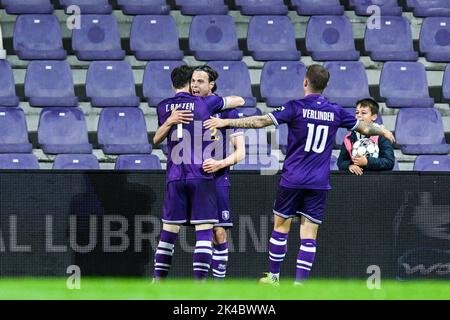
pixel 142 289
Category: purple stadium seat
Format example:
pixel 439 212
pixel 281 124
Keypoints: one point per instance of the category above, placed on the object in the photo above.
pixel 50 84
pixel 214 38
pixel 342 132
pixel 13 131
pixel 262 7
pixel 2 51
pixel 387 7
pixel 435 39
pixel 318 7
pixel 157 84
pixel 405 85
pixel 155 38
pixel 63 130
pixel 282 81
pixel 199 7
pixel 89 6
pixel 76 162
pixel 98 38
pixel 393 41
pixel 111 84
pixel 282 137
pixel 38 37
pixel 8 96
pixel 27 6
pixel 248 112
pixel 330 38
pixel 260 162
pixel 123 131
pixel 421 131
pixel 138 162
pixel 348 82
pixel 134 7
pixel 18 161
pixel 445 84
pixel 432 163
pixel 234 79
pixel 430 8
pixel 272 38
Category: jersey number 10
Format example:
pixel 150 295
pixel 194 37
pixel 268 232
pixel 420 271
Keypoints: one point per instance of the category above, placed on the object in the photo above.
pixel 317 138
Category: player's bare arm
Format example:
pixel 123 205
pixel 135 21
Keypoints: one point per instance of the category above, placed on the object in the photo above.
pixel 368 129
pixel 177 116
pixel 233 102
pixel 211 165
pixel 255 122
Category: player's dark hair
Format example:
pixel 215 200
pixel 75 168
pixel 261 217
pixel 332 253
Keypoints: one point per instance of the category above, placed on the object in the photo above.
pixel 370 103
pixel 212 74
pixel 181 76
pixel 318 77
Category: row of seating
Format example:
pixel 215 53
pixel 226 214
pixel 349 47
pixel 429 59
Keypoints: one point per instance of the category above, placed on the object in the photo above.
pixel 328 38
pixel 420 8
pixel 112 83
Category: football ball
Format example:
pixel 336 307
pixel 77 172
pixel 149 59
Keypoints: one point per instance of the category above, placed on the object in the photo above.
pixel 365 147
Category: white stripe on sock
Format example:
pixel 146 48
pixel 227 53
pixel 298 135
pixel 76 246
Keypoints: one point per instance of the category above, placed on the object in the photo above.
pixel 167 253
pixel 301 267
pixel 166 245
pixel 219 272
pixel 220 252
pixel 304 262
pixel 276 260
pixel 162 264
pixel 200 269
pixel 218 275
pixel 219 258
pixel 200 264
pixel 276 255
pixel 307 249
pixel 161 269
pixel 203 244
pixel 203 251
pixel 278 243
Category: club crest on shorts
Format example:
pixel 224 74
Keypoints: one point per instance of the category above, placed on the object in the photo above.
pixel 225 214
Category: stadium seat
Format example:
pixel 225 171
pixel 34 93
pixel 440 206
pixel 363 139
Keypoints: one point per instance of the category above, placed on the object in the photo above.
pixel 348 83
pixel 50 84
pixel 155 38
pixel 146 7
pixel 330 38
pixel 234 79
pixel 420 131
pixel 27 6
pixel 318 7
pixel 248 112
pixel 214 38
pixel 199 7
pixel 260 162
pixel 111 84
pixel 157 84
pixel 387 7
pixel 89 6
pixel 405 85
pixel 262 7
pixel 13 131
pixel 18 161
pixel 38 37
pixel 432 163
pixel 275 89
pixel 272 38
pixel 123 131
pixel 391 42
pixel 138 162
pixel 435 39
pixel 98 38
pixel 445 84
pixel 63 130
pixel 430 8
pixel 76 162
pixel 8 97
pixel 2 51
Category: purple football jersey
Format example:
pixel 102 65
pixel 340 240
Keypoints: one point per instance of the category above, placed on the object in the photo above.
pixel 313 123
pixel 186 143
pixel 223 137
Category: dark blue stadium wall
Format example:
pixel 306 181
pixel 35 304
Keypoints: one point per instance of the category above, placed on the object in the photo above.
pixel 108 224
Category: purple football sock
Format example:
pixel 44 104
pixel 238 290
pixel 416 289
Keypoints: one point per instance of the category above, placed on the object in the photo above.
pixel 305 259
pixel 163 255
pixel 277 251
pixel 219 260
pixel 202 253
